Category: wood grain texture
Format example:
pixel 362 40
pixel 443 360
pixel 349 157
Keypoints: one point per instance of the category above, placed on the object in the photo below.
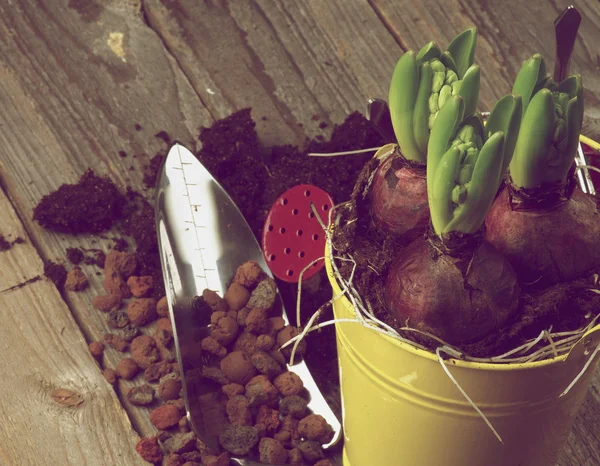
pixel 71 89
pixel 56 406
pixel 77 75
pixel 288 60
pixel 508 33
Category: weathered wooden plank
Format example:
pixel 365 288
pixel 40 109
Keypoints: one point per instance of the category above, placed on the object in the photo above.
pixel 509 33
pixel 288 60
pixel 56 406
pixel 73 84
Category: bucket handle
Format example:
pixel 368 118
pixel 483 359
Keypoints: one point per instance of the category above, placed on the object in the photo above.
pixel 587 347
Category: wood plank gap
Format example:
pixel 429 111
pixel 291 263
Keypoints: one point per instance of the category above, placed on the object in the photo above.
pixel 39 251
pixel 388 25
pixel 120 390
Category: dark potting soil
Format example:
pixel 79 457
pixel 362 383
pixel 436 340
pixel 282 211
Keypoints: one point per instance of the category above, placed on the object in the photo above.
pixel 56 272
pixel 74 255
pixel 6 244
pixel 564 307
pixel 90 206
pixel 95 257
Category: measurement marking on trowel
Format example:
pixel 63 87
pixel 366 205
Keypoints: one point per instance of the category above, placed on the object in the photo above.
pixel 187 194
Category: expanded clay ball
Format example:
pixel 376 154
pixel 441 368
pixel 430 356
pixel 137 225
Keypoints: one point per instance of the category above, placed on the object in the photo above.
pixel 294 405
pixel 141 396
pixel 144 351
pixel 76 280
pixel 238 440
pixel 214 301
pixel 246 343
pixel 162 307
pixel 238 411
pixel 212 460
pixel 233 389
pixel 315 427
pixel 264 295
pixel 122 263
pixel 311 451
pixel 265 342
pixel 116 342
pixel 285 335
pixel 110 375
pixel 163 338
pixel 323 463
pixel 165 416
pixel 272 452
pixel 237 367
pixel 260 391
pixel 117 319
pixel 97 349
pixel 266 365
pixel 139 286
pixel 157 371
pixel 275 324
pixel 180 443
pixel 288 384
pixel 288 432
pixel 241 316
pixel 236 296
pixel 224 330
pixel 149 450
pixel 169 387
pixel 295 457
pixel 142 311
pixel 249 274
pixel 127 368
pixel 215 374
pixel 115 284
pixel 212 346
pixel 129 332
pixel 174 460
pixel 256 321
pixel 267 420
pixel 107 302
pixel 164 324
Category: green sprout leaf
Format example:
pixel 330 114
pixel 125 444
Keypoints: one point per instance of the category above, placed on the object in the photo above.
pixel 402 97
pixel 549 136
pixel 462 49
pixel 423 83
pixel 465 167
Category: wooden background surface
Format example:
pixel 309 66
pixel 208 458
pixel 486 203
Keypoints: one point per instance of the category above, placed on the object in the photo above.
pixel 77 75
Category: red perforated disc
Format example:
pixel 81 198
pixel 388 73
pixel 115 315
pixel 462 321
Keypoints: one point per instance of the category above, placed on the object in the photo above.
pixel 292 236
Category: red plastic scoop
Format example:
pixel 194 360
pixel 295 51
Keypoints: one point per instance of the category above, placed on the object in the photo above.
pixel 292 236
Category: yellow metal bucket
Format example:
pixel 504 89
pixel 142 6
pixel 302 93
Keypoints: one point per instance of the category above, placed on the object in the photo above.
pixel 401 409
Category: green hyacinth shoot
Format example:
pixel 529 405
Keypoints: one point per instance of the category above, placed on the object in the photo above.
pixel 421 85
pixel 466 162
pixel 551 125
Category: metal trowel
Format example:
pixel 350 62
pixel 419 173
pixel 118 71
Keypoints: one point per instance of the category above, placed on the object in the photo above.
pixel 203 238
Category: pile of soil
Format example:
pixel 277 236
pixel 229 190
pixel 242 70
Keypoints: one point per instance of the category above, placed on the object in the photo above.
pixel 564 307
pixel 90 206
pixel 255 176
